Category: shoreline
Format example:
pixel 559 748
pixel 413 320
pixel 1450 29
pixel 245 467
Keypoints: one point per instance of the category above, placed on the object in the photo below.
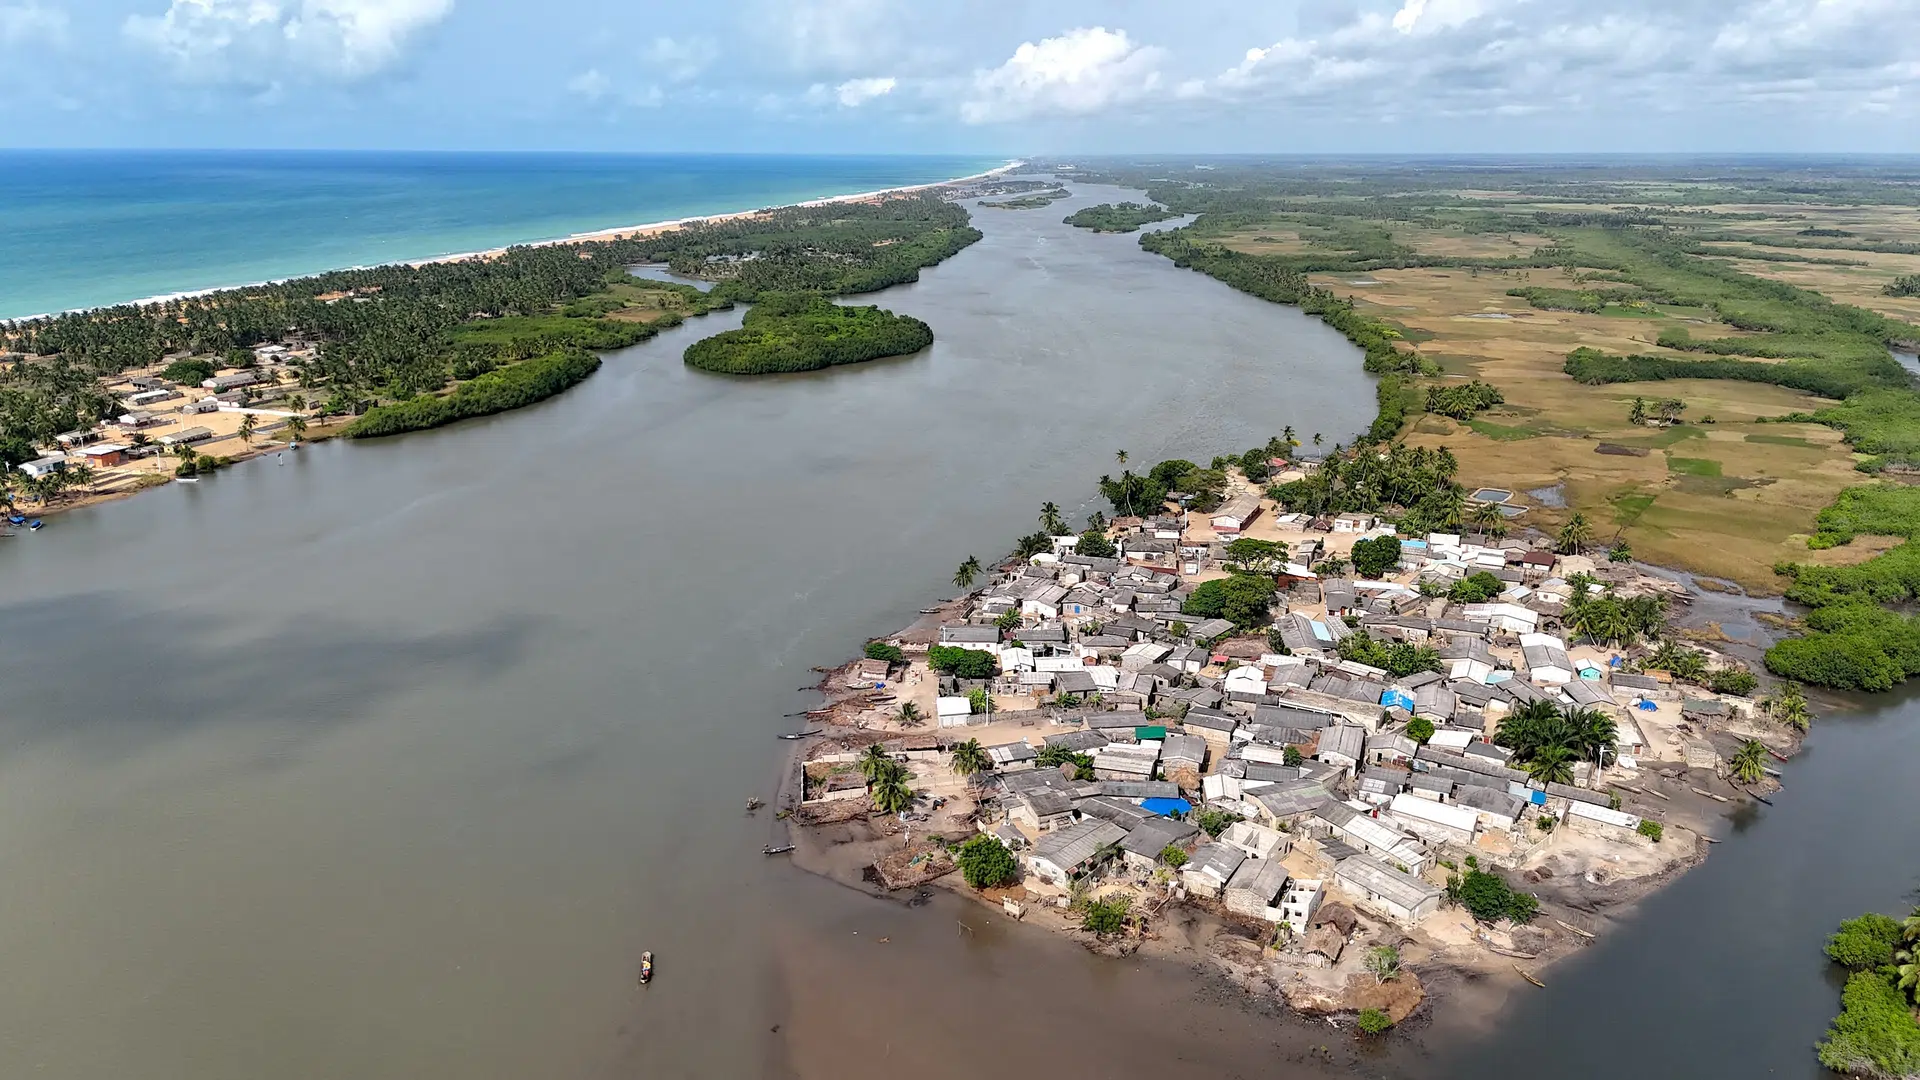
pixel 592 236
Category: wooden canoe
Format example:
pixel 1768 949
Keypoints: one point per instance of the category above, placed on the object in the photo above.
pixel 1529 977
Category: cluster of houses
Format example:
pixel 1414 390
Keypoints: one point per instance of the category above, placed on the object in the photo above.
pixel 1306 753
pixel 152 408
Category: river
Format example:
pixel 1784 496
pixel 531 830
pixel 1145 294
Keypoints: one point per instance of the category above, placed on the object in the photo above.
pixel 389 760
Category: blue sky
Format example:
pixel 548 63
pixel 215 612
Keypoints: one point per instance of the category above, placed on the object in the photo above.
pixel 987 76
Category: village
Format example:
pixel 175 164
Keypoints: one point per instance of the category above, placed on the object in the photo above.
pixel 1348 830
pixel 211 412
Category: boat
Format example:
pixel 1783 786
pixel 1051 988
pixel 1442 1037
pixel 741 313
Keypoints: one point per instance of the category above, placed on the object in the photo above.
pixel 754 804
pixel 1529 977
pixel 1564 925
pixel 801 734
pixel 781 850
pixel 186 480
pixel 35 523
pixel 646 968
pixel 1762 798
pixel 1777 755
pixel 929 611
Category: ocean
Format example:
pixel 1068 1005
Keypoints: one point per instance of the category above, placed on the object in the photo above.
pixel 86 228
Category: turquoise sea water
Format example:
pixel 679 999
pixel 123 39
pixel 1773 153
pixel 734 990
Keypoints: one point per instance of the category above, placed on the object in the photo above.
pixel 85 228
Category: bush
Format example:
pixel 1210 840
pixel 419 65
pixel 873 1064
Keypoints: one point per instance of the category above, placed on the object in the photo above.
pixel 977 701
pixel 987 864
pixel 1875 1033
pixel 962 663
pixel 1737 681
pixel 1374 1022
pixel 1215 822
pixel 1462 400
pixel 1420 729
pixel 880 650
pixel 1489 898
pixel 1651 829
pixel 1173 855
pixel 1865 943
pixel 1291 757
pixel 1107 916
pixel 1477 589
pixel 1243 599
pixel 497 391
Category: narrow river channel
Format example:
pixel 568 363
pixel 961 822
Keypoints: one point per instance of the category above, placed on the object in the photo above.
pixel 389 760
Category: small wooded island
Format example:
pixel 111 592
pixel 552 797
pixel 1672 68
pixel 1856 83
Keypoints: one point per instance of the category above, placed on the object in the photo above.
pixel 1118 217
pixel 804 331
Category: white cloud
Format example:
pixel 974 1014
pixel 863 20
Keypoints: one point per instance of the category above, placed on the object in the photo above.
pixel 854 92
pixel 1082 71
pixel 1511 57
pixel 266 42
pixel 681 60
pixel 31 22
pixel 590 84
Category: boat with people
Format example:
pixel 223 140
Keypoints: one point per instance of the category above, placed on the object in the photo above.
pixel 646 968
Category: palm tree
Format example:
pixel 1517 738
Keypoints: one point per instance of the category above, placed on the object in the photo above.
pixel 891 793
pixel 297 426
pixel 909 715
pixel 297 402
pixel 247 424
pixel 1287 434
pixel 1551 765
pixel 967 573
pixel 1576 535
pixel 1317 437
pixel 875 762
pixel 1120 456
pixel 1748 762
pixel 1050 519
pixel 969 758
pixel 1789 707
pixel 1594 733
pixel 1485 515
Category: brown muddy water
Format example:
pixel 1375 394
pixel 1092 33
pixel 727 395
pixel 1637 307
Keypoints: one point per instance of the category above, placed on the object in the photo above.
pixel 390 760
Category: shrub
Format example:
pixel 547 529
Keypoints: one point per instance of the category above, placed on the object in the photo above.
pixel 987 864
pixel 1173 855
pixel 1733 681
pixel 1420 729
pixel 880 650
pixel 1865 943
pixel 1215 822
pixel 977 701
pixel 1383 963
pixel 1489 898
pixel 1107 916
pixel 1651 829
pixel 1875 1033
pixel 1374 1022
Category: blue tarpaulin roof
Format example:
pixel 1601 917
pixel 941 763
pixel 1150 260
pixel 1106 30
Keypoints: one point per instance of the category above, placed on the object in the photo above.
pixel 1646 706
pixel 1166 807
pixel 1401 698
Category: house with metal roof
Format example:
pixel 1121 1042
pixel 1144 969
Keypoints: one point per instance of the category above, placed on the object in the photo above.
pixel 1402 897
pixel 1210 868
pixel 1068 853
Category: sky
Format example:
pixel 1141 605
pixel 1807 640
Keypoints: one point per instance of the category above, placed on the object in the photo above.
pixel 985 76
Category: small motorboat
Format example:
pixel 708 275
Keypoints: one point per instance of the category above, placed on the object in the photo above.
pixel 781 850
pixel 801 734
pixel 646 968
pixel 35 523
pixel 186 480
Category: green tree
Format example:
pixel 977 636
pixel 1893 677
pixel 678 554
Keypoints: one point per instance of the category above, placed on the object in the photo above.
pixel 1875 1034
pixel 1748 763
pixel 986 863
pixel 1242 599
pixel 1789 706
pixel 962 663
pixel 876 762
pixel 1488 897
pixel 1173 855
pixel 1620 552
pixel 1050 519
pixel 966 574
pixel 1575 535
pixel 1551 765
pixel 1420 729
pixel 1865 943
pixel 1375 555
pixel 1213 822
pixel 909 715
pixel 880 650
pixel 1248 555
pixel 969 758
pixel 1291 757
pixel 296 427
pixel 1107 917
pixel 892 793
pixel 1095 545
pixel 1651 829
pixel 1383 963
pixel 1637 415
pixel 247 424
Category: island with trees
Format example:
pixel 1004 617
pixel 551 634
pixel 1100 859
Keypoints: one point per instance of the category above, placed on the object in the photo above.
pixel 1123 217
pixel 805 332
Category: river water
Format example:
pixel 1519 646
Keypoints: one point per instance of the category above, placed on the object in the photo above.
pixel 389 760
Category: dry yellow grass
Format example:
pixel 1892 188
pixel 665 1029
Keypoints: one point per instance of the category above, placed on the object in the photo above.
pixel 1736 525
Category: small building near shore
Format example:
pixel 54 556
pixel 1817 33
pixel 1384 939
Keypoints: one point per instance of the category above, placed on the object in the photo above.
pixel 232 381
pixel 1402 897
pixel 40 468
pixel 1063 855
pixel 185 437
pixel 103 455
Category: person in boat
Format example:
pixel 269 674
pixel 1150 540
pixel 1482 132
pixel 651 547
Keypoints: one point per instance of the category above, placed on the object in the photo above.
pixel 646 968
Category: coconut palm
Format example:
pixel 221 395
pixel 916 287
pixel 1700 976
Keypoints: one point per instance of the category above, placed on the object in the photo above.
pixel 247 424
pixel 1579 591
pixel 1601 621
pixel 1551 765
pixel 1050 519
pixel 1748 763
pixel 875 761
pixel 1789 707
pixel 297 426
pixel 891 793
pixel 909 715
pixel 1575 535
pixel 1594 733
pixel 1317 438
pixel 1485 515
pixel 1120 456
pixel 1287 434
pixel 969 758
pixel 967 573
